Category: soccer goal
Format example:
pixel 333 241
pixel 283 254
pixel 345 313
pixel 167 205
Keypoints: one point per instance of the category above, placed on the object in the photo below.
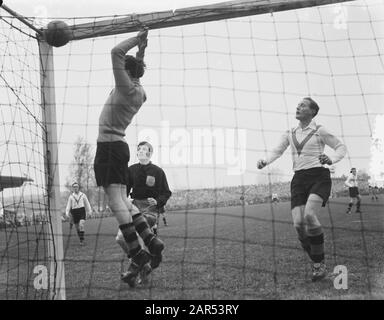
pixel 222 82
pixel 30 227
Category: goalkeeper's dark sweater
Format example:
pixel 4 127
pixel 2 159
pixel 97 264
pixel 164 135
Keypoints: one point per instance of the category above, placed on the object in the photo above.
pixel 148 181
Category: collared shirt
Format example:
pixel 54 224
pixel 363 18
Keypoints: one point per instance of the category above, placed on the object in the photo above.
pixel 307 144
pixel 125 99
pixel 76 201
pixel 351 180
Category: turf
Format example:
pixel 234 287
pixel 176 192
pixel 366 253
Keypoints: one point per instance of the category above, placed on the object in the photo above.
pixel 244 252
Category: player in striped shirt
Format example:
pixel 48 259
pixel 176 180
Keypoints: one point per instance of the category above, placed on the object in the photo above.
pixel 311 183
pixel 352 184
pixel 77 208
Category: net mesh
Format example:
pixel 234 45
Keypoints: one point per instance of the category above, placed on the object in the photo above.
pixel 24 221
pixel 220 95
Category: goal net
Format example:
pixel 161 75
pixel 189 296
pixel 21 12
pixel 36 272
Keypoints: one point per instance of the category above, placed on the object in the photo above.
pixel 220 92
pixel 26 233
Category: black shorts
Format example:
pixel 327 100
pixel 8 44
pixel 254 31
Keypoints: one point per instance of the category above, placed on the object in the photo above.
pixel 314 180
pixel 111 163
pixel 353 192
pixel 78 214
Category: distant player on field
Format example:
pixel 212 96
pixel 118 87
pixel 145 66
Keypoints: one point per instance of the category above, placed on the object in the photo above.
pixel 352 184
pixel 373 190
pixel 77 209
pixel 112 154
pixel 311 183
pixel 275 198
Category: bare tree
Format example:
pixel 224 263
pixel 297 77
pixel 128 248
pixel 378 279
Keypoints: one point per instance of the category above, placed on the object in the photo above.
pixel 81 168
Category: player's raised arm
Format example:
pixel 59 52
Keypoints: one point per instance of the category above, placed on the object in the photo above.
pixel 126 67
pixel 276 152
pixel 122 78
pixel 143 42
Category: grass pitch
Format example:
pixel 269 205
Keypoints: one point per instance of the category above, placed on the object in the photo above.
pixel 244 252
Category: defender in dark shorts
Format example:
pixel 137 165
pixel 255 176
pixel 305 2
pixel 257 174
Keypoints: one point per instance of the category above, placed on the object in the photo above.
pixel 311 183
pixel 77 208
pixel 353 189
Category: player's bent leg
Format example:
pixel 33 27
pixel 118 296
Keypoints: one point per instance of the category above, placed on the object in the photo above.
pixel 316 236
pixel 121 242
pixel 77 227
pixel 153 243
pixel 350 204
pixel 139 257
pixel 299 225
pixel 81 231
pixel 358 203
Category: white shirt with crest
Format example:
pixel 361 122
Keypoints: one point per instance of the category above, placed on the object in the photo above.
pixel 307 144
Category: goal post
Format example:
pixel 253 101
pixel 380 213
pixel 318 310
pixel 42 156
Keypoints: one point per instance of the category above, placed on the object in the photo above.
pixel 192 15
pixel 55 239
pixel 45 204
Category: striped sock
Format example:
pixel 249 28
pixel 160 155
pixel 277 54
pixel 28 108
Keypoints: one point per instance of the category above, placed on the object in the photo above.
pixel 129 233
pixel 142 228
pixel 81 235
pixel 316 240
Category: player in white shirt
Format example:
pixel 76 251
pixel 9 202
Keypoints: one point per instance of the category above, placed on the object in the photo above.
pixel 77 208
pixel 311 183
pixel 352 184
pixel 275 198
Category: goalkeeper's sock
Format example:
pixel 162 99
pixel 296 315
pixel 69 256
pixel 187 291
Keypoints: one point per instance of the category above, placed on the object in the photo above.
pixel 143 228
pixel 130 236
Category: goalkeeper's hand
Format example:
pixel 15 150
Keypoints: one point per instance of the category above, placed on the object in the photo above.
pixel 142 35
pixel 261 164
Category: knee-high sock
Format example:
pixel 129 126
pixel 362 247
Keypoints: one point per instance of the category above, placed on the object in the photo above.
pixel 129 233
pixel 358 204
pixel 316 240
pixel 303 238
pixel 142 228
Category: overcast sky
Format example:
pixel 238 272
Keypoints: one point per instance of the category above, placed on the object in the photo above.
pixel 238 80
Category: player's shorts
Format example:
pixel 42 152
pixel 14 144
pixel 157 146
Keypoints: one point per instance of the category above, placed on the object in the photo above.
pixel 315 180
pixel 353 192
pixel 111 163
pixel 78 214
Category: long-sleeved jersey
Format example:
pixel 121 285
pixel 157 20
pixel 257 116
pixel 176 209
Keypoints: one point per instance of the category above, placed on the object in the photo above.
pixel 351 180
pixel 306 146
pixel 76 201
pixel 148 181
